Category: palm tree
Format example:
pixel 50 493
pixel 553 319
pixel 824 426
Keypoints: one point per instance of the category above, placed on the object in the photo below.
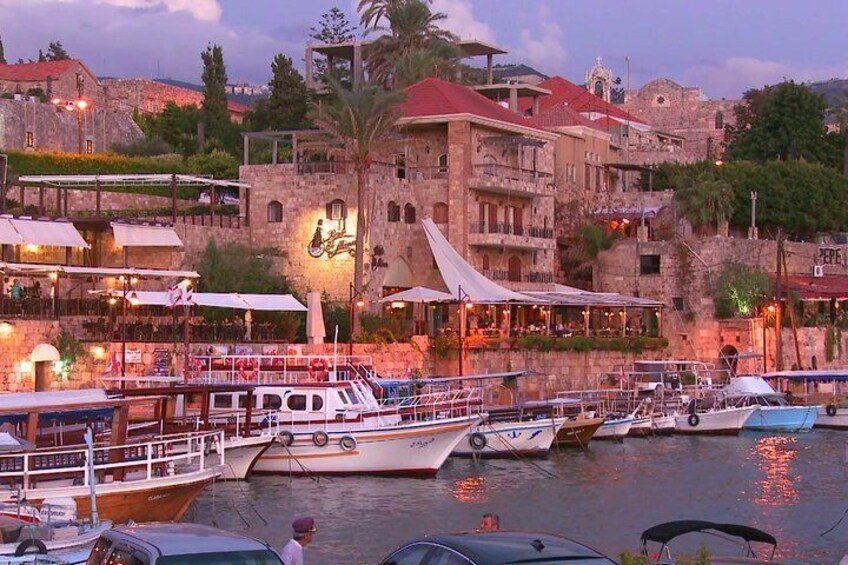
pixel 440 60
pixel 413 27
pixel 708 199
pixel 372 11
pixel 362 120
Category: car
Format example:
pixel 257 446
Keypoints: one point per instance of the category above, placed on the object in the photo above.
pixel 168 543
pixel 495 548
pixel 222 198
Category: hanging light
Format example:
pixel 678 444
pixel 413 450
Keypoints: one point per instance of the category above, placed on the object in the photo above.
pixel 6 328
pixel 133 299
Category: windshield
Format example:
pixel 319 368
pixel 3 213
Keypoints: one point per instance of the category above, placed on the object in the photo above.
pixel 256 557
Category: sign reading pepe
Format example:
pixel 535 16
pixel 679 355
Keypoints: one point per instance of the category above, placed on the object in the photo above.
pixel 831 256
pixel 335 243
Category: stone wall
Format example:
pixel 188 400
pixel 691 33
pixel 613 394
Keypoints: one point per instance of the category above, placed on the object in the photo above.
pixel 36 126
pixel 150 96
pixel 16 372
pixel 85 200
pixel 63 86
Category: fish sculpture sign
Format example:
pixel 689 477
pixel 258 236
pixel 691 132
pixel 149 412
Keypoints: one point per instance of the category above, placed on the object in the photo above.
pixel 335 243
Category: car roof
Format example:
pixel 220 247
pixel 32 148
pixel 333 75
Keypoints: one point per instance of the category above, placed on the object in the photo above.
pixel 182 538
pixel 495 548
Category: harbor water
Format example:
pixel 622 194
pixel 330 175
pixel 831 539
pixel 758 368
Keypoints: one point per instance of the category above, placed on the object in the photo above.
pixel 792 486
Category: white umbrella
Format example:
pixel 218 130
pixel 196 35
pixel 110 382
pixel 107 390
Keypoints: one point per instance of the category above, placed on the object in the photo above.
pixel 419 294
pixel 315 331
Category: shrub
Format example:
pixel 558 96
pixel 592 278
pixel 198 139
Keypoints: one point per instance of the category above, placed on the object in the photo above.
pixel 219 164
pixel 537 342
pixel 740 290
pixel 443 344
pixel 143 147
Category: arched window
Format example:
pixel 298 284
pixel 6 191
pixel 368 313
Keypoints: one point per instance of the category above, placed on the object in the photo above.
pixel 485 262
pixel 440 213
pixel 275 212
pixel 409 213
pixel 443 163
pixel 393 211
pixel 599 89
pixel 514 269
pixel 336 210
pixel 719 120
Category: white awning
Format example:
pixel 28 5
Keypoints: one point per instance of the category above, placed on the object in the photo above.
pixel 270 302
pixel 96 271
pixel 8 234
pixel 462 280
pixel 419 294
pixel 44 232
pixel 277 302
pixel 132 235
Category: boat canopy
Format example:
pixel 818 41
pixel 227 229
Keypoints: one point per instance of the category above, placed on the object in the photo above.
pixel 664 533
pixel 748 385
pixel 820 375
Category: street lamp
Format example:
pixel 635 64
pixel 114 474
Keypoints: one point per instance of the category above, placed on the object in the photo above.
pixel 79 106
pixel 357 297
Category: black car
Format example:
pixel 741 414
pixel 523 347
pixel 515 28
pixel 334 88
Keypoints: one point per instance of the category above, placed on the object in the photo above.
pixel 495 548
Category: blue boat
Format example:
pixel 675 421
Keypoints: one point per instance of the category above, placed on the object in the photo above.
pixel 775 413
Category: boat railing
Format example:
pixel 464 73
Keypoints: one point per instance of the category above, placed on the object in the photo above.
pixel 168 456
pixel 235 421
pixel 273 369
pixel 668 378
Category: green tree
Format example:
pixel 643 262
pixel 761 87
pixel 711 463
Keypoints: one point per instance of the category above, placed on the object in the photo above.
pixel 2 52
pixel 56 52
pixel 740 290
pixel 440 60
pixel 784 122
pixel 362 119
pixel 706 200
pixel 41 57
pixel 178 127
pixel 579 255
pixel 333 28
pixel 219 164
pixel 215 113
pixel 287 106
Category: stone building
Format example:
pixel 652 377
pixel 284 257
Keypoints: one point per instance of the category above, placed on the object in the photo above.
pixel 686 112
pixel 481 172
pixel 151 96
pixel 66 80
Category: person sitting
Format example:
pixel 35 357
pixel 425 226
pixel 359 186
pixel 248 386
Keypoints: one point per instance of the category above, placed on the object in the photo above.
pixel 490 523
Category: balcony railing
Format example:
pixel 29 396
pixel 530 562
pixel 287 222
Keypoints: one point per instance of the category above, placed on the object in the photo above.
pixel 508 172
pixel 505 275
pixel 425 173
pixel 326 167
pixel 504 228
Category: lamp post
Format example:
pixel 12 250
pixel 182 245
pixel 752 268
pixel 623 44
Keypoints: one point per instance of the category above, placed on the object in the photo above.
pixel 357 298
pixel 79 105
pixel 752 234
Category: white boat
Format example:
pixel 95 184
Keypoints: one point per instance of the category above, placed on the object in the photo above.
pixel 775 414
pixel 241 454
pixel 654 424
pixel 824 389
pixel 712 415
pixel 615 428
pixel 510 438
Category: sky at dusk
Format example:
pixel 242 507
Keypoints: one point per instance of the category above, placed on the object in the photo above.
pixel 723 46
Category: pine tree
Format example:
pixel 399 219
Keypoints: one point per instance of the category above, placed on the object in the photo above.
pixel 2 52
pixel 288 103
pixel 55 52
pixel 41 57
pixel 215 112
pixel 333 28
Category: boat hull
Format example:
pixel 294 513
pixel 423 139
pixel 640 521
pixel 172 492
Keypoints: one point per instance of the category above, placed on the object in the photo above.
pixel 652 426
pixel 614 429
pixel 64 549
pixel 783 419
pixel 155 500
pixel 720 422
pixel 241 455
pixel 414 449
pixel 837 422
pixel 509 439
pixel 578 433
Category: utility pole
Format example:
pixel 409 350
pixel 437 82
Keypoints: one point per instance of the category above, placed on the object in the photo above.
pixel 778 314
pixel 752 232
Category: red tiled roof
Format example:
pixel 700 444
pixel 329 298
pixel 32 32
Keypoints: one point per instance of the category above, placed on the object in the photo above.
pixel 577 97
pixel 237 108
pixel 562 115
pixel 434 97
pixel 27 72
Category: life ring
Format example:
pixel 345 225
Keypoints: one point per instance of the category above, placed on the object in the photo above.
pixel 477 441
pixel 247 375
pixel 831 410
pixel 286 438
pixel 320 438
pixel 24 547
pixel 317 369
pixel 347 443
pixel 694 420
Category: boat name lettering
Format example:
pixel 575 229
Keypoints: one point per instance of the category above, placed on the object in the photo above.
pixel 422 443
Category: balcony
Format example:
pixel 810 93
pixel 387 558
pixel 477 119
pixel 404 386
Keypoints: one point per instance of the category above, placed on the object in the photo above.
pixel 504 179
pixel 503 235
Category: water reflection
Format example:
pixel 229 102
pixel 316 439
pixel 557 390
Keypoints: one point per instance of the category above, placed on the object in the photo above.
pixel 776 485
pixel 470 489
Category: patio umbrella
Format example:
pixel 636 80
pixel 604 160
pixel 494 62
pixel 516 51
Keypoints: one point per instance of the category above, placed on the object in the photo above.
pixel 419 294
pixel 315 331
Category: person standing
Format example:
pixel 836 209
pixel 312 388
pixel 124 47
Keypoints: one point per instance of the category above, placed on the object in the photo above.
pixel 302 530
pixel 248 325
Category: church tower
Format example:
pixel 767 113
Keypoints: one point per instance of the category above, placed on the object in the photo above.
pixel 599 81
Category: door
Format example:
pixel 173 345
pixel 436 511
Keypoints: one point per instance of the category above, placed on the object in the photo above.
pixel 42 376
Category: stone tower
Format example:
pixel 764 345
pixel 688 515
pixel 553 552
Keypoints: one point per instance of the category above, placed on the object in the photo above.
pixel 599 81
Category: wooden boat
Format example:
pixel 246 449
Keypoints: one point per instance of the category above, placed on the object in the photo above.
pixel 654 424
pixel 152 480
pixel 578 432
pixel 510 438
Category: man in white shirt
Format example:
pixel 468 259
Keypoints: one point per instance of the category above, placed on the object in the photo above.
pixel 302 528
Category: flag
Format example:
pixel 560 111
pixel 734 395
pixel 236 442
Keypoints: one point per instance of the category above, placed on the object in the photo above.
pixel 113 366
pixel 180 294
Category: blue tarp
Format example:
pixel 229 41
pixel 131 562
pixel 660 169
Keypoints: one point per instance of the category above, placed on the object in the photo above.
pixel 821 375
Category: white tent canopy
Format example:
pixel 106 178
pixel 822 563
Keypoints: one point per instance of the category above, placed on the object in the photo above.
pixel 268 302
pixel 8 234
pixel 419 294
pixel 40 232
pixel 35 268
pixel 134 235
pixel 462 280
pixel 273 302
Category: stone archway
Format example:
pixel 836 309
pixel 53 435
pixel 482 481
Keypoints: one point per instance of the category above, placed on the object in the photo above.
pixel 43 355
pixel 398 275
pixel 728 359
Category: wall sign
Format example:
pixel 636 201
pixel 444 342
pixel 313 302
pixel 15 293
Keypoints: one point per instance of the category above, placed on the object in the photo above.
pixel 133 356
pixel 161 362
pixel 336 242
pixel 377 261
pixel 831 256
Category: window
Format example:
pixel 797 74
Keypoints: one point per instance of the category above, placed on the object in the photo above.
pixel 409 213
pixel 485 262
pixel 400 165
pixel 410 555
pixel 125 557
pixel 252 557
pixel 393 211
pixel 271 402
pixel 337 210
pixel 649 264
pixel 587 176
pixel 719 120
pixel 441 556
pixel 30 139
pixel 598 184
pixel 317 403
pixel 242 401
pixel 677 303
pixel 514 269
pixel 440 213
pixel 222 401
pixel 443 163
pixel 275 212
pixel 296 402
pixel 89 146
pixel 352 395
pixel 100 549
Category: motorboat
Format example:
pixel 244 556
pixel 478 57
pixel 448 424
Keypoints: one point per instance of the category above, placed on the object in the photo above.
pixel 579 426
pixel 711 414
pixel 650 375
pixel 650 420
pixel 752 540
pixel 824 389
pixel 615 427
pixel 328 420
pixel 510 438
pixel 775 414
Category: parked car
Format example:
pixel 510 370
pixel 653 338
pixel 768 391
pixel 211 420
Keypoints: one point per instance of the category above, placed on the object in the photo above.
pixel 495 548
pixel 167 543
pixel 222 197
